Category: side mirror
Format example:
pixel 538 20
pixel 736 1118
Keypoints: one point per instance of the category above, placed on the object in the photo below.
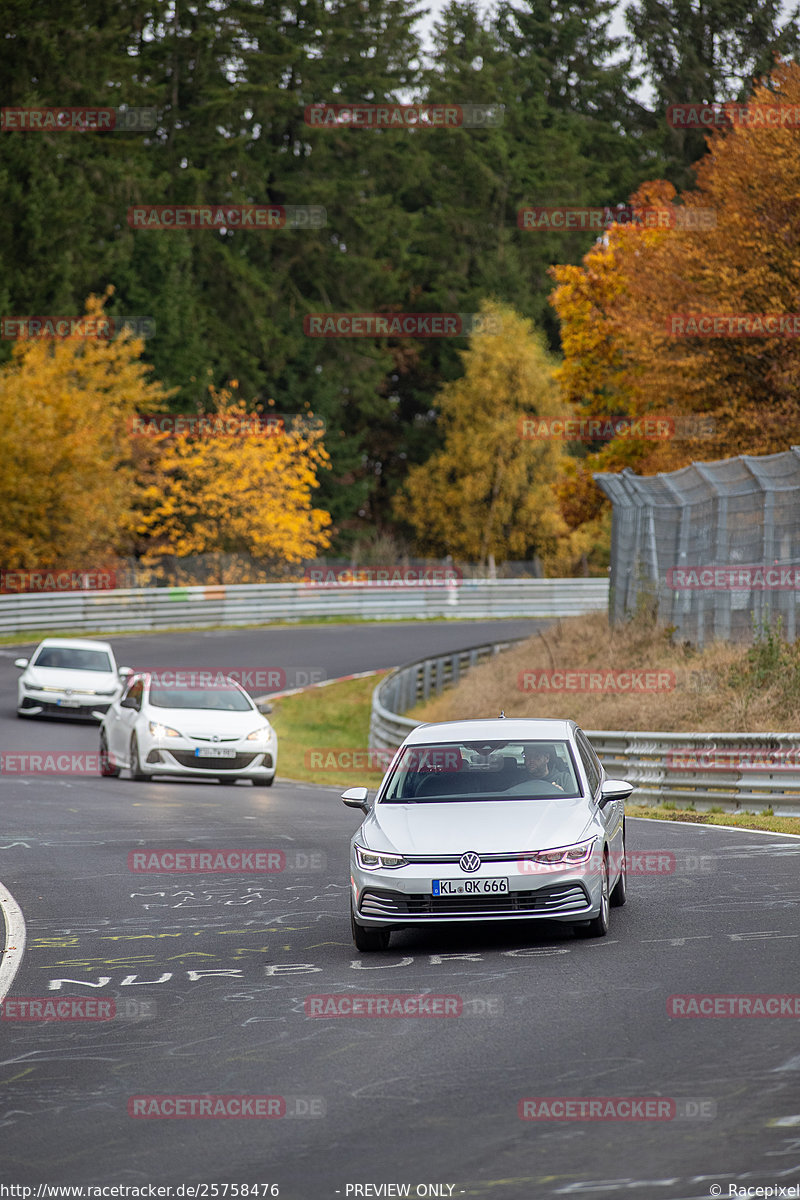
pixel 21 663
pixel 614 789
pixel 264 708
pixel 128 703
pixel 356 797
pixel 125 672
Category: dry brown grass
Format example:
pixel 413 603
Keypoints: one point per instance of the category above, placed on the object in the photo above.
pixel 724 688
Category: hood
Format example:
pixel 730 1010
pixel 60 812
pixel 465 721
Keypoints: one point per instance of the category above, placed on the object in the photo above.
pixel 493 827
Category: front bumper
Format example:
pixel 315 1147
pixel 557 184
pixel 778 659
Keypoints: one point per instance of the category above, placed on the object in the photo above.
pixel 404 896
pixel 51 704
pixel 246 764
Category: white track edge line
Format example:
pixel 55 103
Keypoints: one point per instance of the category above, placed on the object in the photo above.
pixel 15 940
pixel 703 825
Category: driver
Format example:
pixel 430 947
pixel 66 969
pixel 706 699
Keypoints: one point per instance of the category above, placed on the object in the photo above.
pixel 540 763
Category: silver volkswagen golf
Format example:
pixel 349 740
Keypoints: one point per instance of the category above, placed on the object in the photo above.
pixel 489 820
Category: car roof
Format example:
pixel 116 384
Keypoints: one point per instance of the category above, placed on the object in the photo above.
pixel 523 729
pixel 75 644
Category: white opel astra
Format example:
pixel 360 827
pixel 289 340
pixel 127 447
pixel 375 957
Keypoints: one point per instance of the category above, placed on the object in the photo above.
pixel 188 728
pixel 68 677
pixel 489 820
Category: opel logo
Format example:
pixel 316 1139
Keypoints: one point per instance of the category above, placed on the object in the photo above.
pixel 215 737
pixel 469 861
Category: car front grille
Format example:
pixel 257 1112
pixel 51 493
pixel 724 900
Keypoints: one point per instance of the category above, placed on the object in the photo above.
pixel 560 898
pixel 61 710
pixel 214 765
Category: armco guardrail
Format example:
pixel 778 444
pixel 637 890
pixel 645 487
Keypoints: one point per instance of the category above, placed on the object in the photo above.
pixel 406 686
pixel 732 771
pixel 260 603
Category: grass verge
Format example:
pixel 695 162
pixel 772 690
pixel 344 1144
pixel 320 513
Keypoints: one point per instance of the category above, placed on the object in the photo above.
pixel 336 718
pixel 325 721
pixel 741 820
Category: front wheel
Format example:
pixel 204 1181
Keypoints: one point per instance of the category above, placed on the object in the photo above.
pixel 368 940
pixel 264 782
pixel 108 768
pixel 598 926
pixel 136 767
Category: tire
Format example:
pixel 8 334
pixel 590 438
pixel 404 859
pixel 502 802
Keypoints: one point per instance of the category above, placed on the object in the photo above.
pixel 137 773
pixel 107 768
pixel 264 782
pixel 598 926
pixel 620 892
pixel 368 940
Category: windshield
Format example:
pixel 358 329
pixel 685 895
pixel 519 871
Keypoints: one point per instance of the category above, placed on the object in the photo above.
pixel 220 699
pixel 67 659
pixel 467 771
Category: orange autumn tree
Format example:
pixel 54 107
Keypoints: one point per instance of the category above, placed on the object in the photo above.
pixel 233 497
pixel 728 395
pixel 749 263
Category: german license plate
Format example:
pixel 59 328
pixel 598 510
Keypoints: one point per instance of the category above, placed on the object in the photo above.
pixel 213 752
pixel 68 703
pixel 469 887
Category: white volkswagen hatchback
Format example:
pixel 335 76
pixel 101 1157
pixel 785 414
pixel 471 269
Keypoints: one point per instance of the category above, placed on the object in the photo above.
pixel 489 820
pixel 191 730
pixel 68 677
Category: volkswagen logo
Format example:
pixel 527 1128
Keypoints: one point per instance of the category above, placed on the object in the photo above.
pixel 67 691
pixel 469 861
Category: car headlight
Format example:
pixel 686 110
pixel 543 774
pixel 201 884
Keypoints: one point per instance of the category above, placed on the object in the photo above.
pixel 370 861
pixel 566 856
pixel 157 730
pixel 262 734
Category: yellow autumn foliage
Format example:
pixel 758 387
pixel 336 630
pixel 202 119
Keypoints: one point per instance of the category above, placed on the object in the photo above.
pixel 247 495
pixel 65 408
